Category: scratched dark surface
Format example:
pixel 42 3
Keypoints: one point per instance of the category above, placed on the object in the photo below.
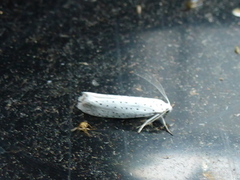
pixel 51 51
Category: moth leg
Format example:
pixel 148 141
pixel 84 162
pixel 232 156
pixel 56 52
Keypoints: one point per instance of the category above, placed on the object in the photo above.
pixel 165 125
pixel 149 121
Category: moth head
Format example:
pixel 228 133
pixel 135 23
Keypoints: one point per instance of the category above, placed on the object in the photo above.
pixel 169 107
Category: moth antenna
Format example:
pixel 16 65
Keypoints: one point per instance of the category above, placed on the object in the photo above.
pixel 156 84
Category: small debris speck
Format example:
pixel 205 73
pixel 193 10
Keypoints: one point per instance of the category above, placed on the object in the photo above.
pixel 237 50
pixel 95 83
pixel 236 12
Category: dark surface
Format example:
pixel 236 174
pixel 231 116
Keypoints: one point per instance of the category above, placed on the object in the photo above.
pixel 52 51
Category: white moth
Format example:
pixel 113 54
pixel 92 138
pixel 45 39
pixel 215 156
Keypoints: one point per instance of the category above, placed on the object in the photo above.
pixel 124 107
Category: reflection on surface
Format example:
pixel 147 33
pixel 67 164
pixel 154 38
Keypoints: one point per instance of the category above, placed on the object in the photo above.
pixel 185 166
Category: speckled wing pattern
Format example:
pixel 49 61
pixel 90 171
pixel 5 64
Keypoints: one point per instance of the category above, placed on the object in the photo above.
pixel 117 106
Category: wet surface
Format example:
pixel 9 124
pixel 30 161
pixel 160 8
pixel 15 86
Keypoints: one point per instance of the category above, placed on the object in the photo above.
pixel 53 51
